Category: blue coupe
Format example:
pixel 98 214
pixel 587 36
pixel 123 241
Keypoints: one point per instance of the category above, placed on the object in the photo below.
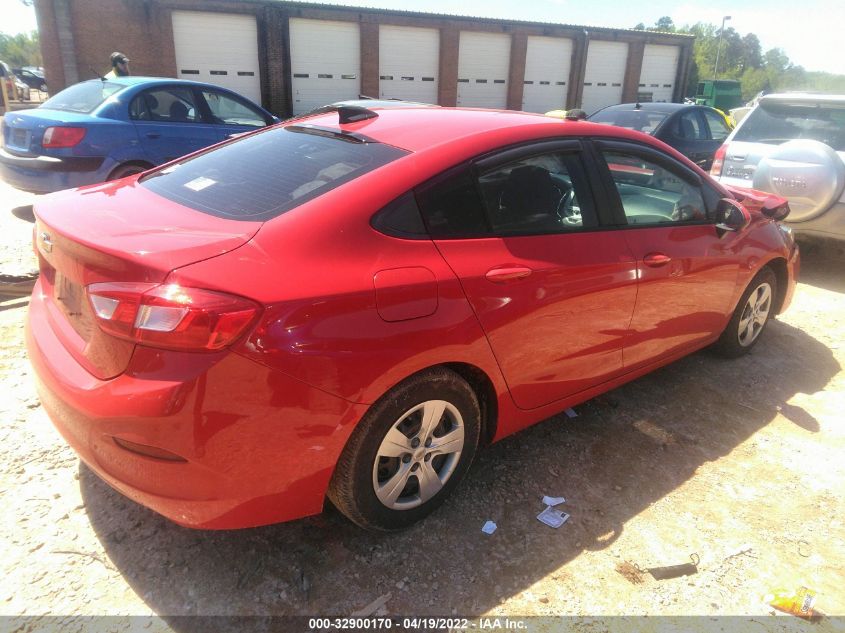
pixel 107 129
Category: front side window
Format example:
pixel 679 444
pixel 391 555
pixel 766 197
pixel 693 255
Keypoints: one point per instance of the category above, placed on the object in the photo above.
pixel 165 105
pixel 689 127
pixel 651 194
pixel 536 195
pixel 230 111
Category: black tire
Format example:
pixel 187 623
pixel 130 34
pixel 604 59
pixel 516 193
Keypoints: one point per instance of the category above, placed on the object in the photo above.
pixel 127 169
pixel 731 343
pixel 353 486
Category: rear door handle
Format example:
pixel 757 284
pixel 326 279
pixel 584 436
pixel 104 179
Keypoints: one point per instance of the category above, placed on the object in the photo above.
pixel 153 135
pixel 655 260
pixel 507 273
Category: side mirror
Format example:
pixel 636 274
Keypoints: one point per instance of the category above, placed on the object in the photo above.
pixel 731 216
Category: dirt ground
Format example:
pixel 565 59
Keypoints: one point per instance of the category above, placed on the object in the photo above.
pixel 739 463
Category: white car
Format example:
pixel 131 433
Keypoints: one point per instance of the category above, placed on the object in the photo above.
pixel 792 145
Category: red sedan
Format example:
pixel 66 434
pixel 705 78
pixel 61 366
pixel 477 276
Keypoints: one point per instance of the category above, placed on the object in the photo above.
pixel 349 305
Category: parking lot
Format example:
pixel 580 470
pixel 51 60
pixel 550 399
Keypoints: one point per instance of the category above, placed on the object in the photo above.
pixel 737 462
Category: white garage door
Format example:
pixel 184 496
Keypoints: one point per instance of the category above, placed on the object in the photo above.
pixel 325 62
pixel 483 66
pixel 605 73
pixel 218 48
pixel 408 61
pixel 546 73
pixel 660 67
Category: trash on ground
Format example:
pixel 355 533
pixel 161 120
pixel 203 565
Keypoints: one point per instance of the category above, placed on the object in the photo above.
pixel 570 413
pixel 675 571
pixel 371 608
pixel 553 501
pixel 489 527
pixel 553 518
pixel 743 549
pixel 801 602
pixel 631 572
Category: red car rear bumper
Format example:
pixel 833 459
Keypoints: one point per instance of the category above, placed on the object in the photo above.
pixel 257 446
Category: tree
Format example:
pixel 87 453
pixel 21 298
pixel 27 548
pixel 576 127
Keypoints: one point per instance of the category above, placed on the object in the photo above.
pixel 665 24
pixel 22 49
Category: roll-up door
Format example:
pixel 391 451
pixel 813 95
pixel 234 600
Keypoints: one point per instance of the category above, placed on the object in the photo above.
pixel 483 69
pixel 325 62
pixel 408 63
pixel 546 81
pixel 660 68
pixel 218 48
pixel 606 62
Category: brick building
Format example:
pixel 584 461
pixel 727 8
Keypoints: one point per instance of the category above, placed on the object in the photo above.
pixel 292 56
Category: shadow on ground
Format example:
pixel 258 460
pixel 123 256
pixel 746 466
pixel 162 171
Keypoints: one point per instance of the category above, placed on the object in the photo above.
pixel 625 451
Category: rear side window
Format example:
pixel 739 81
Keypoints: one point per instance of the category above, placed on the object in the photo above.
pixel 452 207
pixel 261 176
pixel 84 97
pixel 776 123
pixel 165 105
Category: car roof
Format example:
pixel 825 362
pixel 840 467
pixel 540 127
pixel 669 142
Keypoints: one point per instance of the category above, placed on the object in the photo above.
pixel 153 81
pixel 422 128
pixel 810 97
pixel 649 107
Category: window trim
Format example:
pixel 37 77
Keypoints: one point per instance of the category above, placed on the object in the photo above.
pixel 662 160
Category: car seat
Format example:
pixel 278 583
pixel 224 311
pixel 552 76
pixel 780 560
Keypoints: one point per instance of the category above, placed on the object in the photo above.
pixel 529 197
pixel 178 111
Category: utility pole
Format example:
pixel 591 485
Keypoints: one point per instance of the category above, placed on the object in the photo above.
pixel 719 47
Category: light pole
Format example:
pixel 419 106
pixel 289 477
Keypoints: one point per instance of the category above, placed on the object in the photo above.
pixel 719 47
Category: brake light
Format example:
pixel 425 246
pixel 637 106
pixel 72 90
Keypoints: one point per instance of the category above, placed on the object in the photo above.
pixel 171 316
pixel 62 136
pixel 718 160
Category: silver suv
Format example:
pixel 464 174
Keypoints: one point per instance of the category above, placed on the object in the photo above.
pixel 792 145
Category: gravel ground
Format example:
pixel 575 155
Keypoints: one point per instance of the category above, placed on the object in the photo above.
pixel 739 462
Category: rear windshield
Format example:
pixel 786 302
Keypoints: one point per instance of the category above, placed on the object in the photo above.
pixel 638 120
pixel 264 175
pixel 776 123
pixel 84 97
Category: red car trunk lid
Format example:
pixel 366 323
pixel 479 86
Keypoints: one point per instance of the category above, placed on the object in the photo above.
pixel 116 232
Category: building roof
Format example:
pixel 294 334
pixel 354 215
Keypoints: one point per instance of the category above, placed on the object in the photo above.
pixel 451 16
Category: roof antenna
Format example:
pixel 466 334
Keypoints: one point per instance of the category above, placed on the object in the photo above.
pixel 353 114
pixel 637 106
pixel 97 75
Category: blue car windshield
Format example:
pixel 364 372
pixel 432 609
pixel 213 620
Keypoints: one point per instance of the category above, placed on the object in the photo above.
pixel 84 97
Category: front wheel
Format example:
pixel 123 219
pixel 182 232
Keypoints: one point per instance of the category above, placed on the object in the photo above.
pixel 408 452
pixel 755 308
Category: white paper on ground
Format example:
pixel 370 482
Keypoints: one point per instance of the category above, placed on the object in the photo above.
pixel 553 518
pixel 570 413
pixel 553 501
pixel 489 527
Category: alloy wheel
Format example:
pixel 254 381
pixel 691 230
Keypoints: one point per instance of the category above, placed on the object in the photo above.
pixel 754 314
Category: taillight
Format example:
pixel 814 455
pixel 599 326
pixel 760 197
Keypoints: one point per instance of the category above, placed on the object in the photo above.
pixel 171 316
pixel 62 136
pixel 718 160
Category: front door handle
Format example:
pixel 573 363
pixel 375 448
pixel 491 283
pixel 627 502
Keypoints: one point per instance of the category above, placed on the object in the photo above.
pixel 153 135
pixel 507 273
pixel 656 260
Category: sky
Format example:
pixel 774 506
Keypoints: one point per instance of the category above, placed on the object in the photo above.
pixel 810 31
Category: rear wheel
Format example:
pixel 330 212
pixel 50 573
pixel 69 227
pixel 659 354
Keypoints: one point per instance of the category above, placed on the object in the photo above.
pixel 408 452
pixel 127 169
pixel 755 308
